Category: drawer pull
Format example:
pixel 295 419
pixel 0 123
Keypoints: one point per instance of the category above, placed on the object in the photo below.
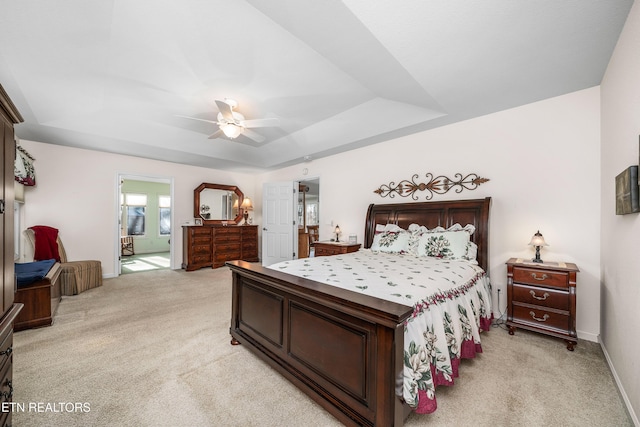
pixel 544 276
pixel 10 394
pixel 542 298
pixel 544 318
pixel 6 352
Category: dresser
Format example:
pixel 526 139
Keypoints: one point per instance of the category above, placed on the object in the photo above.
pixel 213 245
pixel 541 297
pixel 10 309
pixel 334 248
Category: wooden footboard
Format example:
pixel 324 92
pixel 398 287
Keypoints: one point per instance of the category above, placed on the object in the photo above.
pixel 343 349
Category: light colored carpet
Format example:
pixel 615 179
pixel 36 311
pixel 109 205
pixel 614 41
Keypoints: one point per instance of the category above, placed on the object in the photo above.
pixel 152 349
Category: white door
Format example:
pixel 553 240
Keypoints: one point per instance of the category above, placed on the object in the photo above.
pixel 279 230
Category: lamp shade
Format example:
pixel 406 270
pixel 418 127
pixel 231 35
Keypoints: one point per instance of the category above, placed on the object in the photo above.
pixel 537 240
pixel 246 204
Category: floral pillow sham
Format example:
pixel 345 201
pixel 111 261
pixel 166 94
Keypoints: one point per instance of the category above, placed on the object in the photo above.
pixel 446 245
pixel 451 243
pixel 391 242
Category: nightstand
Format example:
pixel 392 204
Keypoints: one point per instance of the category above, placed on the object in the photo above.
pixel 334 248
pixel 541 297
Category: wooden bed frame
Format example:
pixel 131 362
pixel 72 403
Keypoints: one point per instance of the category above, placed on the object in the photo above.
pixel 343 349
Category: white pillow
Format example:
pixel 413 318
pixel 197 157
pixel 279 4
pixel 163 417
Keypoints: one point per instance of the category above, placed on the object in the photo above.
pixel 391 242
pixel 469 228
pixel 472 252
pixel 415 231
pixel 380 228
pixel 445 244
pixel 416 246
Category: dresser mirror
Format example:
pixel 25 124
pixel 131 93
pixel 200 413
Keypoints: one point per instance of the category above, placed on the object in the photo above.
pixel 217 203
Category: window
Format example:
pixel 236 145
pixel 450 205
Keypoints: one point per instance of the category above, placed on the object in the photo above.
pixel 164 206
pixel 312 214
pixel 136 205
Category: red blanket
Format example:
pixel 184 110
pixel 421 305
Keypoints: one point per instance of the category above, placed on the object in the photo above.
pixel 46 245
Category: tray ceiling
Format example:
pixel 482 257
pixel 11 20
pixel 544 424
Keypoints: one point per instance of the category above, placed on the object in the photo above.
pixel 117 75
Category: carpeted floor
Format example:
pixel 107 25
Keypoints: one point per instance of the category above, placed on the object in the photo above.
pixel 152 349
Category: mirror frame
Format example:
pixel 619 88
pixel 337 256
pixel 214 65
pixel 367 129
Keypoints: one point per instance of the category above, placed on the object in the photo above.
pixel 206 185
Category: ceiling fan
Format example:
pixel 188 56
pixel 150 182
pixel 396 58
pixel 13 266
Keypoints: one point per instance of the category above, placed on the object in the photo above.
pixel 233 124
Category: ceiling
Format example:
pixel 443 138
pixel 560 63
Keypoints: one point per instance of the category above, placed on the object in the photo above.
pixel 117 75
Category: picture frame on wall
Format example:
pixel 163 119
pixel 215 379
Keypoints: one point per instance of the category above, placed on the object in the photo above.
pixel 627 191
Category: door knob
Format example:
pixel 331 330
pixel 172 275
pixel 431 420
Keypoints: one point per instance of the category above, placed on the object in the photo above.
pixel 264 229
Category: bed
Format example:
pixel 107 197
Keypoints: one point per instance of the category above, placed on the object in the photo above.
pixel 344 349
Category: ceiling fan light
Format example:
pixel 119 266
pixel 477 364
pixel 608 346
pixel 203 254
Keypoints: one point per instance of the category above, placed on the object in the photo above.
pixel 230 130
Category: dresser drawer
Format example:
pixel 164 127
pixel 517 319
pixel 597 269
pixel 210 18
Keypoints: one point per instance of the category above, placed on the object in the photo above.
pixel 249 244
pixel 226 234
pixel 200 231
pixel 540 317
pixel 6 383
pixel 541 296
pixel 249 232
pixel 537 277
pixel 201 240
pixel 227 252
pixel 6 349
pixel 202 249
pixel 201 258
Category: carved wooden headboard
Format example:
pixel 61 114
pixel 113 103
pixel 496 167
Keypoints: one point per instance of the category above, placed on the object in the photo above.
pixel 432 214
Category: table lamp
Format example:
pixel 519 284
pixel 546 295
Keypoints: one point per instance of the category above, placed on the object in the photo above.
pixel 246 206
pixel 537 241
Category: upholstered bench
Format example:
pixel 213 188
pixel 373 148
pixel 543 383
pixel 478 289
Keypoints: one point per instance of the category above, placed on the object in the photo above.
pixel 76 276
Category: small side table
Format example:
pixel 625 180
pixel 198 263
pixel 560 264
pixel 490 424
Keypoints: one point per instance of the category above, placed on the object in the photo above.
pixel 541 297
pixel 335 248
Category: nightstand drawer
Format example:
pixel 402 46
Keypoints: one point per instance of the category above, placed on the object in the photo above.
pixel 320 251
pixel 329 248
pixel 538 277
pixel 541 296
pixel 540 317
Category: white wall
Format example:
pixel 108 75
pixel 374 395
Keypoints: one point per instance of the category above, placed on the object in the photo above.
pixel 543 164
pixel 76 193
pixel 620 234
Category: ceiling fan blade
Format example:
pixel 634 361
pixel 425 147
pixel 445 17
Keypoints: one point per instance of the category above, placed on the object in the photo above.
pixel 225 110
pixel 216 134
pixel 253 135
pixel 195 118
pixel 261 123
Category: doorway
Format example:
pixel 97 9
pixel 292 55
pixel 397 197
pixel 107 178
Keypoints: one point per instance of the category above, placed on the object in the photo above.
pixel 308 216
pixel 144 223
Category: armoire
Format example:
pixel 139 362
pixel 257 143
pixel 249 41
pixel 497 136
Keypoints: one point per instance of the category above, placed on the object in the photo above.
pixel 9 116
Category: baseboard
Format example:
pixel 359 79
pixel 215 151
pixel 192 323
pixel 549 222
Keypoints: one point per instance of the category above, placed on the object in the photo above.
pixel 588 336
pixel 623 394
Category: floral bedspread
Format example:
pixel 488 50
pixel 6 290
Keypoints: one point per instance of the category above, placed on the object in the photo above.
pixel 451 303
